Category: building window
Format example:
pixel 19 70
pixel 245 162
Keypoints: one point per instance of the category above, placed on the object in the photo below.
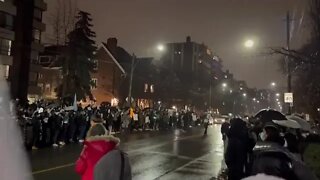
pixel 40 76
pixel 36 35
pixel 44 59
pixel 7 70
pixel 47 89
pixel 146 88
pixel 5 48
pixel 94 83
pixel 6 20
pixel 152 88
pixel 95 68
pixel 37 14
pixel 41 86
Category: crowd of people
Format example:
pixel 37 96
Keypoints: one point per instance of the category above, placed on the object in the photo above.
pixel 43 124
pixel 256 148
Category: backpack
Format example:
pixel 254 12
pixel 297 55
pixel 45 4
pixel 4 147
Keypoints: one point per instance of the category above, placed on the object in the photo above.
pixel 114 165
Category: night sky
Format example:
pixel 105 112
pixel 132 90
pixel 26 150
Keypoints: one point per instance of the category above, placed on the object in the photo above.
pixel 223 25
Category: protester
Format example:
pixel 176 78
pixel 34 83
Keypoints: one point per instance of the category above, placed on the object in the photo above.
pixel 206 124
pixel 237 149
pixel 96 145
pixel 54 124
pixel 272 158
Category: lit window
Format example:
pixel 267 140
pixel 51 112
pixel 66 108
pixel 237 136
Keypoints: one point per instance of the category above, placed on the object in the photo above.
pixel 152 88
pixel 145 88
pixel 7 69
pixel 94 83
pixel 5 48
pixel 36 35
pixel 9 47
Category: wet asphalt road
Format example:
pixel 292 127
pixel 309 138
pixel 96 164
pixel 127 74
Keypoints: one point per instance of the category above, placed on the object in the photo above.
pixel 175 155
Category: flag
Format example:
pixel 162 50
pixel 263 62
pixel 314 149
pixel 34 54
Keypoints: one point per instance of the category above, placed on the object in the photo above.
pixel 75 105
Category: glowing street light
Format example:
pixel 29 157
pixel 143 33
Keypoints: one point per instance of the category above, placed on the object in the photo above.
pixel 273 84
pixel 160 47
pixel 278 94
pixel 249 43
pixel 244 95
pixel 254 99
pixel 224 85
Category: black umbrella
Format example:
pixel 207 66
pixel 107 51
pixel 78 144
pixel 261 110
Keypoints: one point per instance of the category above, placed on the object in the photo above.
pixel 267 115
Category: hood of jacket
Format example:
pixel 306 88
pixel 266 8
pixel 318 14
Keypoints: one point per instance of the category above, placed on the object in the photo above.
pixel 101 144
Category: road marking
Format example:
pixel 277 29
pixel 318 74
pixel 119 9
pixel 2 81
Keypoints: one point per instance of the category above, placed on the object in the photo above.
pixel 129 152
pixel 183 166
pixel 52 169
pixel 169 154
pixel 162 144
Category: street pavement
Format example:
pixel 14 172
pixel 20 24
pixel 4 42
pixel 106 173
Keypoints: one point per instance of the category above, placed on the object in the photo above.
pixel 176 154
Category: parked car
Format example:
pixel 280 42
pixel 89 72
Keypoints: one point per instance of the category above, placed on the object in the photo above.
pixel 219 120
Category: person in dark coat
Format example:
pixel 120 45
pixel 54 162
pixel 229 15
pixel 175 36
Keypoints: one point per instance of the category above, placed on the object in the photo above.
pixel 55 122
pixel 272 158
pixel 36 129
pixel 82 125
pixel 225 129
pixel 237 150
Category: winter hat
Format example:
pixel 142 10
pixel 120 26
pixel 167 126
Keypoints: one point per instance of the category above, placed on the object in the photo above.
pixel 97 130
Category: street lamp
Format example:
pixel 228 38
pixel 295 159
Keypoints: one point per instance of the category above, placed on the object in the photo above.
pixel 273 84
pixel 278 94
pixel 244 94
pixel 249 43
pixel 160 47
pixel 254 99
pixel 224 85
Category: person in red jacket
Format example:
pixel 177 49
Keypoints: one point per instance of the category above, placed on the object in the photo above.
pixel 97 144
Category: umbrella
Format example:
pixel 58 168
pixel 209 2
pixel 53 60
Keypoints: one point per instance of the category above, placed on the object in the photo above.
pixel 288 123
pixel 267 115
pixel 305 126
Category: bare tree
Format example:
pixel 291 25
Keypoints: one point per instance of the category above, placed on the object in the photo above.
pixel 62 20
pixel 305 65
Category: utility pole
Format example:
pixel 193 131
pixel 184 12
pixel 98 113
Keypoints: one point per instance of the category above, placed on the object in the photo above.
pixel 210 89
pixel 131 78
pixel 289 80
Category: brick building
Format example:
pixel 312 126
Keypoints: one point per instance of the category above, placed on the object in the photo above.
pixel 109 76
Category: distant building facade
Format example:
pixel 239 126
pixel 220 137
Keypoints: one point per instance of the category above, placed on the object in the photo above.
pixel 108 77
pixel 197 70
pixel 22 20
pixel 50 74
pixel 8 11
